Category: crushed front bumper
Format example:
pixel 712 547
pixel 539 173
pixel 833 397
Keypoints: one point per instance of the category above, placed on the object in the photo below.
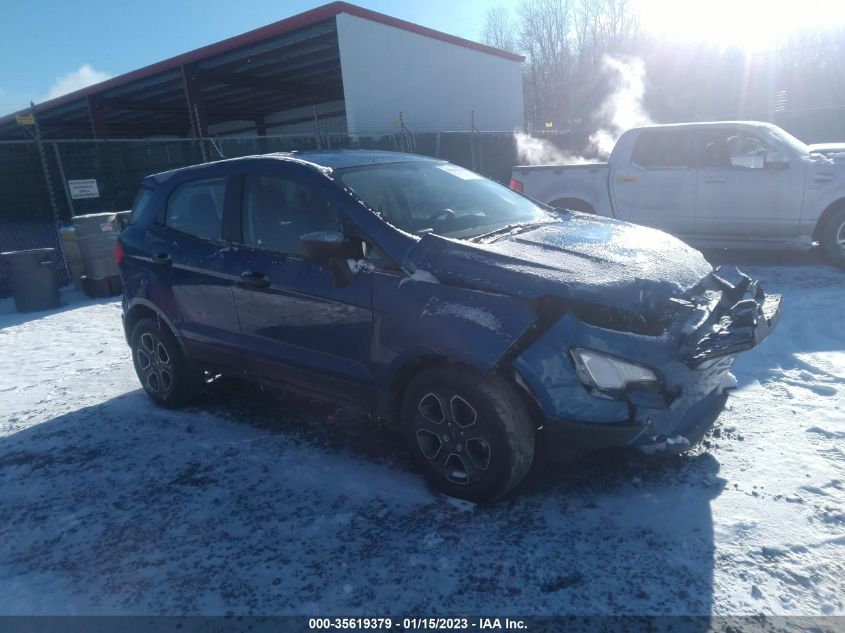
pixel 725 314
pixel 730 315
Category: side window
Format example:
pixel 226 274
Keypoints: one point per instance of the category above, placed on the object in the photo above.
pixel 196 208
pixel 142 205
pixel 277 211
pixel 726 149
pixel 661 149
pixel 747 151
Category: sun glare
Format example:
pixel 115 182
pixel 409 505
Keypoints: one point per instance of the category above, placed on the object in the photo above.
pixel 752 25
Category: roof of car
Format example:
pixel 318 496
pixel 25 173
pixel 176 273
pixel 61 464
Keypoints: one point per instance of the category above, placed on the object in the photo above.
pixel 321 160
pixel 704 124
pixel 340 158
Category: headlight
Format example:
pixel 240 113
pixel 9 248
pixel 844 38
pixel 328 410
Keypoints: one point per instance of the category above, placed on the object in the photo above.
pixel 605 372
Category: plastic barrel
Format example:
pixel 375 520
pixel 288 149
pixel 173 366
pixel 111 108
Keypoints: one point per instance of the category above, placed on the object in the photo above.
pixel 95 235
pixel 33 278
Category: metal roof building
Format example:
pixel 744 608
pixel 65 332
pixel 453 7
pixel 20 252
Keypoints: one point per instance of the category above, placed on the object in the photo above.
pixel 353 69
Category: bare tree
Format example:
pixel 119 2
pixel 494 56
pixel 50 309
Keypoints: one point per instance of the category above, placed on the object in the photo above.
pixel 544 37
pixel 564 42
pixel 601 27
pixel 499 30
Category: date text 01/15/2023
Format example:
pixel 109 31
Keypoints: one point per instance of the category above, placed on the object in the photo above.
pixel 415 624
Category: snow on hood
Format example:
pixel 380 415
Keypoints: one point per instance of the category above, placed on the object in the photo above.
pixel 581 257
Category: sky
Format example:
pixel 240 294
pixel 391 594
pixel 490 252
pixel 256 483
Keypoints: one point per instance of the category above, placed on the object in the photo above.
pixel 51 47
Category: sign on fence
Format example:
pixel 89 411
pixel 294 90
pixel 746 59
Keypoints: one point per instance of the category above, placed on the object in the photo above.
pixel 25 119
pixel 83 189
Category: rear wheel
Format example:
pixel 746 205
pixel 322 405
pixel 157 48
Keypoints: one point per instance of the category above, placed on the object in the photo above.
pixel 471 435
pixel 164 372
pixel 833 238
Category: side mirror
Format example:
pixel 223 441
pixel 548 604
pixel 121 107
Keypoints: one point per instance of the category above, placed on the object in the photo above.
pixel 323 246
pixel 776 160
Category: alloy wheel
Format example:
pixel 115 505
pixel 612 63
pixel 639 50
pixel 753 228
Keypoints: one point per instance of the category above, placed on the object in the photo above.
pixel 452 437
pixel 154 364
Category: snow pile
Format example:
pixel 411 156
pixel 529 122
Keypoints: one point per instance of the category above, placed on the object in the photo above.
pixel 252 503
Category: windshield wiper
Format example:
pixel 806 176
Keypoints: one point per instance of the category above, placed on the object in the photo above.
pixel 513 228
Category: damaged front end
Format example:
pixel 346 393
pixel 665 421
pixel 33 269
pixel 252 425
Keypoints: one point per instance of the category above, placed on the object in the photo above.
pixel 730 314
pixel 606 379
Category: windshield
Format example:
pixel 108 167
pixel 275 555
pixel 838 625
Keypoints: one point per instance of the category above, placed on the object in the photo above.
pixel 802 149
pixel 438 197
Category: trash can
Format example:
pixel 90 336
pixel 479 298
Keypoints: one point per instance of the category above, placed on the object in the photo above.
pixel 95 235
pixel 33 277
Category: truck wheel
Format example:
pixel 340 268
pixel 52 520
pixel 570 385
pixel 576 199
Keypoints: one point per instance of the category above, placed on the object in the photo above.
pixel 471 436
pixel 833 238
pixel 164 372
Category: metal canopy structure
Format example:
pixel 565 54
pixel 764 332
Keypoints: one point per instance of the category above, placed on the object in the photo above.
pixel 289 67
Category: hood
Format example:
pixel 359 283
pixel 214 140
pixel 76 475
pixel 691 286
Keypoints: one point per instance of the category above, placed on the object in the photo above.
pixel 580 257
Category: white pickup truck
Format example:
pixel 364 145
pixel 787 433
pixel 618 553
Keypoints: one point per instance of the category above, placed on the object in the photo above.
pixel 715 185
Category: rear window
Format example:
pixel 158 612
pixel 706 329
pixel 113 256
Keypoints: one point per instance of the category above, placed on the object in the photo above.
pixel 663 149
pixel 196 208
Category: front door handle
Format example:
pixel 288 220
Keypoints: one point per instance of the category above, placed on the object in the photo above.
pixel 714 180
pixel 162 259
pixel 255 279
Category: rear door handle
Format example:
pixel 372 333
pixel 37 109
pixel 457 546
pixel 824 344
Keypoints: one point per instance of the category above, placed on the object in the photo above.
pixel 255 279
pixel 162 259
pixel 715 180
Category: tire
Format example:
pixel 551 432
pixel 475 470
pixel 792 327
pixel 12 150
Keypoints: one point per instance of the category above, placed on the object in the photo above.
pixel 471 436
pixel 833 238
pixel 165 373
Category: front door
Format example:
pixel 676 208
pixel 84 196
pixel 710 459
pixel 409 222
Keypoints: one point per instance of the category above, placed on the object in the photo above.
pixel 296 326
pixel 739 196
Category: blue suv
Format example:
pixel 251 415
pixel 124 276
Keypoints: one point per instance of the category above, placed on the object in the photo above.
pixel 482 322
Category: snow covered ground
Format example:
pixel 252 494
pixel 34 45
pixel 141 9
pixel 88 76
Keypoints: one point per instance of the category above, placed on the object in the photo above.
pixel 256 503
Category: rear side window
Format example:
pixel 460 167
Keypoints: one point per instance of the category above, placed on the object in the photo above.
pixel 196 208
pixel 142 205
pixel 662 149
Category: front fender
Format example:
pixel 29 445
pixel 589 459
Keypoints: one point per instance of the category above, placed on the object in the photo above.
pixel 419 318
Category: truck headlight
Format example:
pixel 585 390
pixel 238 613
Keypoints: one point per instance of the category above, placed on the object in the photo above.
pixel 601 371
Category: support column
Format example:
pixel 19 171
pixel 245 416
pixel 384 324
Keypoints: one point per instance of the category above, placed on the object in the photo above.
pixel 96 112
pixel 194 101
pixel 261 131
pixel 196 109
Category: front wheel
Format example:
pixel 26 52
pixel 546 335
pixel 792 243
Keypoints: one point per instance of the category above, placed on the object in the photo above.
pixel 833 238
pixel 164 372
pixel 471 435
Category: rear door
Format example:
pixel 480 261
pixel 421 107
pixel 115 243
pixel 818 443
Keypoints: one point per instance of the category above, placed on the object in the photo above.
pixel 297 326
pixel 657 186
pixel 188 257
pixel 739 196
